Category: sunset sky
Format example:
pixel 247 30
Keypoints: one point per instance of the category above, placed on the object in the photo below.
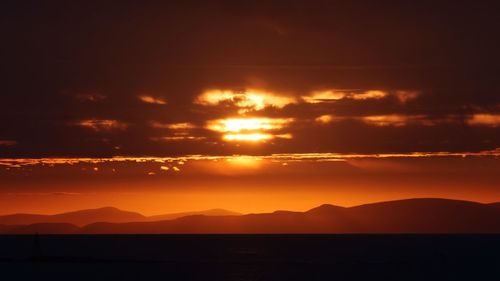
pixel 252 106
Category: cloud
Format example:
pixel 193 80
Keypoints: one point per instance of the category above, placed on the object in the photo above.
pixel 173 126
pixel 325 96
pixel 327 118
pixel 396 120
pixel 23 162
pixel 406 96
pixel 90 97
pixel 484 119
pixel 102 124
pixel 8 142
pixel 247 124
pixel 367 95
pixel 249 129
pixel 152 100
pixel 178 138
pixel 245 100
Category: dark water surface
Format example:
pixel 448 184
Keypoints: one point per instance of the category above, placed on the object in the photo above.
pixel 250 257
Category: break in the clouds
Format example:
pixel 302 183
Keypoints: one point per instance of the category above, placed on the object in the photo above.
pixel 161 79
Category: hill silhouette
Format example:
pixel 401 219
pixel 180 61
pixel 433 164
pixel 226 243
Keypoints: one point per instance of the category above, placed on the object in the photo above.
pixel 424 215
pixel 105 214
pixel 79 218
pixel 211 212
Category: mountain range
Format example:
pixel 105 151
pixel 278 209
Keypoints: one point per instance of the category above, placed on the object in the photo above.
pixel 422 215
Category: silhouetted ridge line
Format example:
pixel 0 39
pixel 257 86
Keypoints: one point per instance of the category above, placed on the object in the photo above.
pixel 423 215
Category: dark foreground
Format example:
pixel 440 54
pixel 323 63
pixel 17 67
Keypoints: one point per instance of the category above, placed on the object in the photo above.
pixel 250 257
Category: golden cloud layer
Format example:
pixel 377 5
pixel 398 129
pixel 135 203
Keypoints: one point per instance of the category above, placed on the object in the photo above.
pixel 247 124
pixel 335 95
pixel 246 100
pixel 483 119
pixel 173 126
pixel 102 124
pixel 21 162
pixel 249 129
pixel 152 100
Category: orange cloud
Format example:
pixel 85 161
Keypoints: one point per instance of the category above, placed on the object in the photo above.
pixel 395 120
pixel 405 96
pixel 325 119
pixel 334 95
pixel 247 124
pixel 324 96
pixel 152 100
pixel 178 138
pixel 247 137
pixel 249 129
pixel 285 158
pixel 483 119
pixel 173 126
pixel 246 100
pixel 102 124
pixel 371 94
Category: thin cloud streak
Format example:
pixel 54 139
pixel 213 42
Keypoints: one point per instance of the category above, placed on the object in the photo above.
pixel 152 100
pixel 21 162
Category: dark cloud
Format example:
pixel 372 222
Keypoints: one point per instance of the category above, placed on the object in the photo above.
pixel 67 62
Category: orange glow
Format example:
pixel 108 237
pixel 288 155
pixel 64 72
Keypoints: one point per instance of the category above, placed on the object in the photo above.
pixel 246 100
pixel 152 100
pixel 178 138
pixel 247 124
pixel 21 162
pixel 249 129
pixel 324 96
pixel 395 120
pixel 335 95
pixel 324 119
pixel 245 161
pixel 102 124
pixel 173 126
pixel 372 94
pixel 255 137
pixel 490 120
pixel 405 96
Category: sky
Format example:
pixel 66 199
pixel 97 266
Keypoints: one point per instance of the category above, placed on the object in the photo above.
pixel 360 87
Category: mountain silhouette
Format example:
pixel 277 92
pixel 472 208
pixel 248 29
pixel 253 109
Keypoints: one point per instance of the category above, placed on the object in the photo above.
pixel 106 214
pixel 424 215
pixel 211 212
pixel 79 218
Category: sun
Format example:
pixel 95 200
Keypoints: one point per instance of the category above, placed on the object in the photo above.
pixel 256 129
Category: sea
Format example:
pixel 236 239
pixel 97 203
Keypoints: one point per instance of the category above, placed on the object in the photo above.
pixel 250 257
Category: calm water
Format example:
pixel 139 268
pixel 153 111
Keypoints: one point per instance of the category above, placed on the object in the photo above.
pixel 251 257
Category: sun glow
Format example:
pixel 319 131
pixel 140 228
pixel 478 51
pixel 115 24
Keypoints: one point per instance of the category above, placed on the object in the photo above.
pixel 245 100
pixel 249 129
pixel 255 137
pixel 247 124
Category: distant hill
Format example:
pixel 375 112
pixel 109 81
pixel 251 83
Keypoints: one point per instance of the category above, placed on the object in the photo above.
pixel 106 214
pixel 212 212
pixel 79 218
pixel 425 215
